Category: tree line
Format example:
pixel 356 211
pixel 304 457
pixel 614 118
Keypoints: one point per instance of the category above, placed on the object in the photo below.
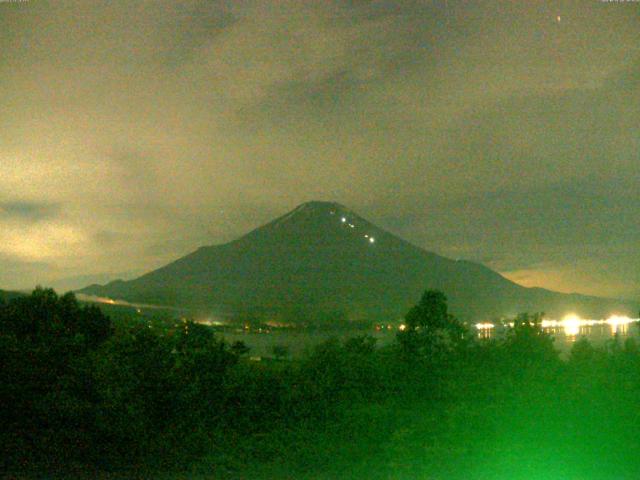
pixel 81 394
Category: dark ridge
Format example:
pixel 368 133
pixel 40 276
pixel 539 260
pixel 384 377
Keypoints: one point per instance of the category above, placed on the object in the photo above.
pixel 6 295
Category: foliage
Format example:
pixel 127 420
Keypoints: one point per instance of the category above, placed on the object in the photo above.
pixel 430 330
pixel 46 394
pixel 77 394
pixel 280 352
pixel 527 344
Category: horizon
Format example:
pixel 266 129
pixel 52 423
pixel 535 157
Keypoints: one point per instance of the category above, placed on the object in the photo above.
pixel 79 282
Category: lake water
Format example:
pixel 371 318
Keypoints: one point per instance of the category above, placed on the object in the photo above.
pixel 296 342
pixel 570 329
pixel 565 332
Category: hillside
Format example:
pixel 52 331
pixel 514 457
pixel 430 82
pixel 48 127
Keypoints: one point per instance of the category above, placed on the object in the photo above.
pixel 6 295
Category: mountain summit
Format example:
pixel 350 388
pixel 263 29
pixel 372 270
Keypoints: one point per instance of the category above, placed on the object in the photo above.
pixel 322 260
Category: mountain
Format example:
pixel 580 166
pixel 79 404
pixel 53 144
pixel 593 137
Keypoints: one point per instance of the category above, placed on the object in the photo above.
pixel 322 260
pixel 77 282
pixel 6 295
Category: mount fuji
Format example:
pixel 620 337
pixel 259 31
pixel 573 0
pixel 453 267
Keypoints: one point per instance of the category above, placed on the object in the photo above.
pixel 322 260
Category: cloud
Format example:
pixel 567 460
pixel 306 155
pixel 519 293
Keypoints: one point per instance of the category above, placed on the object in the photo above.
pixel 140 130
pixel 28 211
pixel 19 273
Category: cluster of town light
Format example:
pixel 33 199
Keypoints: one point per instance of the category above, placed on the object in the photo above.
pixel 572 323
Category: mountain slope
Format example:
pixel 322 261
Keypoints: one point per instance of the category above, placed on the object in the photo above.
pixel 323 259
pixel 6 295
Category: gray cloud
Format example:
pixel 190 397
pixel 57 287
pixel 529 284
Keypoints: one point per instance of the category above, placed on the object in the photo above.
pixel 28 211
pixel 19 273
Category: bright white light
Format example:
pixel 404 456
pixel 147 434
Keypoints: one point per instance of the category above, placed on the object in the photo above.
pixel 351 225
pixel 618 322
pixel 571 324
pixel 371 240
pixel 366 236
pixel 343 219
pixel 484 326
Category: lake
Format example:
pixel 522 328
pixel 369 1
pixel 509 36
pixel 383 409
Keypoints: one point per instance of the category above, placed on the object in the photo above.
pixel 565 332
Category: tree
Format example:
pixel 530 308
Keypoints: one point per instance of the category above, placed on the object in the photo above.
pixel 430 313
pixel 280 352
pixel 47 398
pixel 360 345
pixel 528 344
pixel 582 353
pixel 43 318
pixel 239 348
pixel 429 326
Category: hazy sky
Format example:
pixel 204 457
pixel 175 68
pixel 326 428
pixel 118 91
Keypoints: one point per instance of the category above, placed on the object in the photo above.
pixel 506 132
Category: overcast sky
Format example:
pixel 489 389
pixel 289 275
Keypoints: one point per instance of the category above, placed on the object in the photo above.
pixel 505 132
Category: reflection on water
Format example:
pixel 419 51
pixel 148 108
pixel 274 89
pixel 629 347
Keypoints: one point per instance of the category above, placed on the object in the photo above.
pixel 565 331
pixel 485 330
pixel 570 327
